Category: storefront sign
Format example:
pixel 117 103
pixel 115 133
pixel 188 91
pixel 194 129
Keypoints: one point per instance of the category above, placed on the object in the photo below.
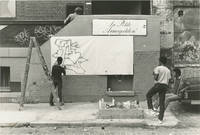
pixel 119 27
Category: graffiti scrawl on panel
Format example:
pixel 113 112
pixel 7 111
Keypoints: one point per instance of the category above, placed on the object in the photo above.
pixel 94 55
pixel 72 57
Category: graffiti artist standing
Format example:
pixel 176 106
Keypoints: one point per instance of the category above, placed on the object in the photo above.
pixel 57 71
pixel 77 11
pixel 162 76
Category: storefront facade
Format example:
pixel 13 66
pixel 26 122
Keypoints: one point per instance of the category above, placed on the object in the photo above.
pixel 45 17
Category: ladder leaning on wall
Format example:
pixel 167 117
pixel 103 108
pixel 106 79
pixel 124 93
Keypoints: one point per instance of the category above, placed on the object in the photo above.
pixel 54 90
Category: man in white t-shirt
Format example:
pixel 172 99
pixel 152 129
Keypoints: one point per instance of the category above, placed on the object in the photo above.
pixel 162 75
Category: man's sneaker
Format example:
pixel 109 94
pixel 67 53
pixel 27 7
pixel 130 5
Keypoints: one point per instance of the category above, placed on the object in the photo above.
pixel 151 112
pixel 156 109
pixel 62 103
pixel 156 113
pixel 51 104
pixel 160 121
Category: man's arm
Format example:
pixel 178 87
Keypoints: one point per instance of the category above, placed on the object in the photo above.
pixel 171 81
pixel 67 20
pixel 181 91
pixel 155 76
pixel 156 73
pixel 63 70
pixel 52 72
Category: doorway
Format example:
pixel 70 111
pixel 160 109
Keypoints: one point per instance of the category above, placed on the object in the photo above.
pixel 5 77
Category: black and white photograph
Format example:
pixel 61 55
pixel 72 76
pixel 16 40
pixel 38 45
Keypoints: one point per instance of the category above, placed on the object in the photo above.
pixel 99 67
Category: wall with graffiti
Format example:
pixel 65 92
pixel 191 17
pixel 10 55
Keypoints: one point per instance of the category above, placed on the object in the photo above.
pixel 179 31
pixel 19 35
pixel 186 36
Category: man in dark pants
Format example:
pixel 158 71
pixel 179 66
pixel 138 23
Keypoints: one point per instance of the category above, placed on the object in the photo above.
pixel 57 72
pixel 178 90
pixel 162 76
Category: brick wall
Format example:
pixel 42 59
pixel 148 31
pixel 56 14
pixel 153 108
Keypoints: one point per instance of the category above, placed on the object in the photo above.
pixel 43 10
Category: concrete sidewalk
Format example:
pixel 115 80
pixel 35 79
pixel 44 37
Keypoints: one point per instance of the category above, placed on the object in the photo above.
pixel 72 114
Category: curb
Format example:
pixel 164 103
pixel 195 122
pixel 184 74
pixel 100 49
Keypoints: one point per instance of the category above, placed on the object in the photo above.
pixel 15 124
pixel 95 123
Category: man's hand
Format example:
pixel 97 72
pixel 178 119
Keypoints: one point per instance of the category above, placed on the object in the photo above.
pixel 155 76
pixel 171 80
pixel 51 35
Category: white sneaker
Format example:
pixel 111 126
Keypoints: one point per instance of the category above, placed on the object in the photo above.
pixel 156 109
pixel 156 113
pixel 160 121
pixel 151 112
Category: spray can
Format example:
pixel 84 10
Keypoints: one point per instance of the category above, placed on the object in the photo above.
pixel 109 89
pixel 113 101
pixel 99 104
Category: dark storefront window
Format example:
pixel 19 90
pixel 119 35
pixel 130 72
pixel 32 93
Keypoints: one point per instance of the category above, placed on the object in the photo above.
pixel 5 77
pixel 120 82
pixel 121 7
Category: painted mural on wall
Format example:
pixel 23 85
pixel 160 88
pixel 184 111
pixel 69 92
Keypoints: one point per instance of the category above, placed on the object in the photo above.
pixel 186 36
pixel 19 35
pixel 179 30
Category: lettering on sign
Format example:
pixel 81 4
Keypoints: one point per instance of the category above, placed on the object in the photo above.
pixel 119 27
